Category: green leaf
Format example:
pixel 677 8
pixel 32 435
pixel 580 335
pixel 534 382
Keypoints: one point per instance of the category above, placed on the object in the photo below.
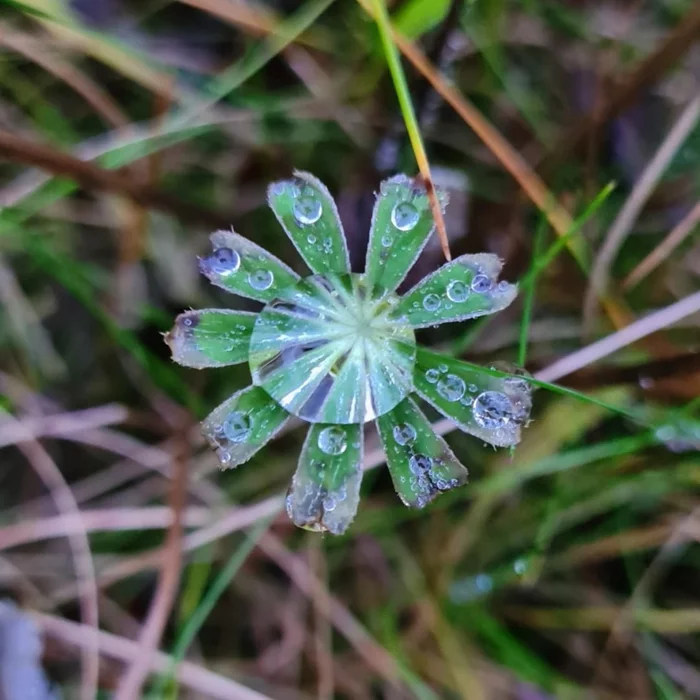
pixel 401 224
pixel 241 267
pixel 489 407
pixel 465 288
pixel 416 17
pixel 325 490
pixel 420 462
pixel 307 213
pixel 211 337
pixel 242 424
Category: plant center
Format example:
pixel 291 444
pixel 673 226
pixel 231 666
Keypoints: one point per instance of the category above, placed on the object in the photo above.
pixel 331 350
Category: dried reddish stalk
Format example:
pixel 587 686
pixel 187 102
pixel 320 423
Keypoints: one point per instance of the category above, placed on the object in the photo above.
pixel 22 150
pixel 164 598
pixel 61 493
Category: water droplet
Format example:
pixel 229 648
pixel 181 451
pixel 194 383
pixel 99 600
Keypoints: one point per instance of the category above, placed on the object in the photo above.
pixel 492 410
pixel 431 302
pixel 484 583
pixel 419 464
pixel 520 566
pixel 404 433
pixel 457 291
pixel 432 375
pixel 473 388
pixel 261 280
pixel 333 440
pixel 307 209
pixel 442 368
pixel 482 284
pixel 451 387
pixel 224 261
pixel 311 239
pixel 237 427
pixel 665 433
pixel 404 216
pixel 329 504
pixel 188 321
pixel 503 286
pixel 467 401
pixel 646 382
pixel 386 241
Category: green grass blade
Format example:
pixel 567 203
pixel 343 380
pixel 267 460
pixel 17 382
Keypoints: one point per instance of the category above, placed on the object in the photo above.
pixel 204 610
pixel 529 296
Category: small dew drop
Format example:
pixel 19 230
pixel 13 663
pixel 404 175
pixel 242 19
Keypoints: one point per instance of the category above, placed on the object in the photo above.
pixel 261 280
pixel 432 375
pixel 311 239
pixel 492 410
pixel 451 387
pixel 404 216
pixel 457 291
pixel 431 302
pixel 473 388
pixel 237 426
pixel 503 286
pixel 404 433
pixel 483 582
pixel 329 504
pixel 520 566
pixel 307 209
pixel 442 369
pixel 386 240
pixel 482 284
pixel 333 440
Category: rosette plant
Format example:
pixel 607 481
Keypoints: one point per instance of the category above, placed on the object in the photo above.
pixel 338 350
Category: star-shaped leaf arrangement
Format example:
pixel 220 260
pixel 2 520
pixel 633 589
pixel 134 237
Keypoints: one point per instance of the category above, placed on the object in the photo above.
pixel 338 350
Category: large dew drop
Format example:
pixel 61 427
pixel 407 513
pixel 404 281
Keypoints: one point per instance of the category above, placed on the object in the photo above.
pixel 307 209
pixel 224 261
pixel 404 216
pixel 330 350
pixel 451 387
pixel 457 291
pixel 333 440
pixel 261 280
pixel 492 410
pixel 404 433
pixel 237 427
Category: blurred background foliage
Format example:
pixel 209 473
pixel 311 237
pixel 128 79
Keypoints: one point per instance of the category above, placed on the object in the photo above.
pixel 567 569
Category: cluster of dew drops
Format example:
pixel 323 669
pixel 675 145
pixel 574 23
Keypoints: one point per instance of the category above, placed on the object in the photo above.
pixel 419 465
pixel 491 409
pixel 226 262
pixel 458 291
pixel 307 210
